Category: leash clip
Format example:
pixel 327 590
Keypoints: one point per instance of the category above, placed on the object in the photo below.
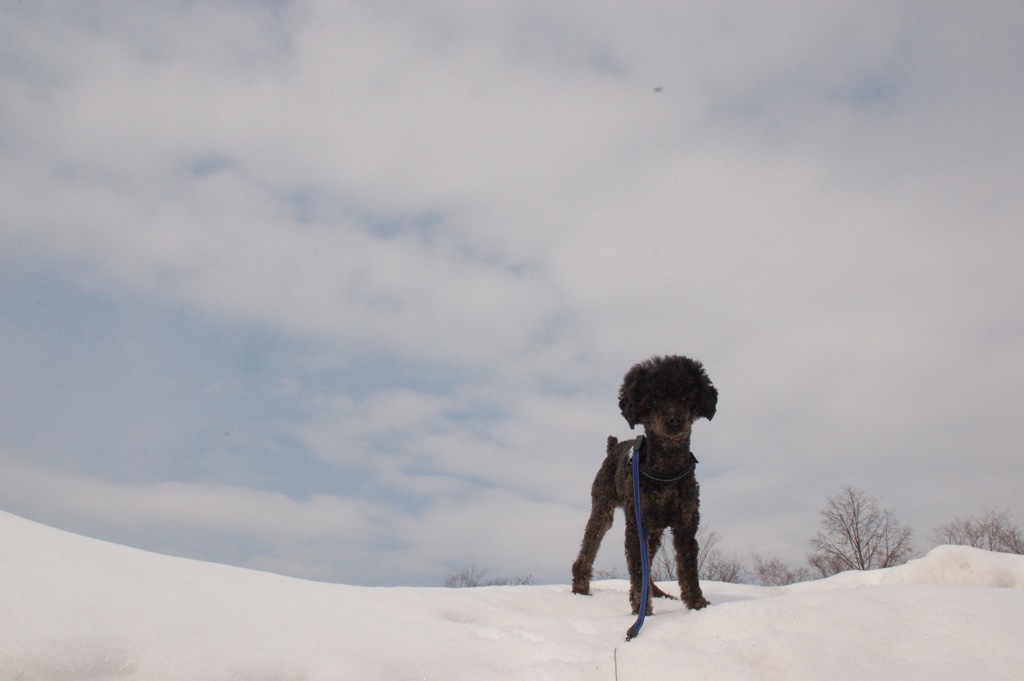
pixel 637 449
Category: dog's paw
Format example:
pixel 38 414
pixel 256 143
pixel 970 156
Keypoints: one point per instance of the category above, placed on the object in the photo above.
pixel 698 603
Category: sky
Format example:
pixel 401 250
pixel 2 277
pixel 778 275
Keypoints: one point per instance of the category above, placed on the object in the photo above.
pixel 346 290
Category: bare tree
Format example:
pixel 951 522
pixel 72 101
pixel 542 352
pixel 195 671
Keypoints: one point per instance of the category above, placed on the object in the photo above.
pixel 722 568
pixel 515 580
pixel 858 535
pixel 473 576
pixel 465 578
pixel 773 572
pixel 712 563
pixel 826 565
pixel 992 531
pixel 709 555
pixel 663 567
pixel 610 573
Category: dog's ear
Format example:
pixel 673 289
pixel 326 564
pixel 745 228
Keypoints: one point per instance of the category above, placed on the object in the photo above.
pixel 633 397
pixel 629 411
pixel 628 407
pixel 706 398
pixel 707 401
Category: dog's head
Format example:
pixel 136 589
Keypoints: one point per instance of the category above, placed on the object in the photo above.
pixel 667 394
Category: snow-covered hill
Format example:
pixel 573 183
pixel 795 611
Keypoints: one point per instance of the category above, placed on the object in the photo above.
pixel 73 608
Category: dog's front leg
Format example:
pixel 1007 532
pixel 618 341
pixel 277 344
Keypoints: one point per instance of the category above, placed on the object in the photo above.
pixel 634 565
pixel 684 539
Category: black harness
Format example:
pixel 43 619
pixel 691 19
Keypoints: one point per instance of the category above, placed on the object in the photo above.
pixel 664 478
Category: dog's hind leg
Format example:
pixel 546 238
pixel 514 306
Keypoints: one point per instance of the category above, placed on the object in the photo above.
pixel 602 513
pixel 601 517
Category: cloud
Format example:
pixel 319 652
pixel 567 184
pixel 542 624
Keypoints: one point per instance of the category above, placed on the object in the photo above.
pixel 331 537
pixel 398 255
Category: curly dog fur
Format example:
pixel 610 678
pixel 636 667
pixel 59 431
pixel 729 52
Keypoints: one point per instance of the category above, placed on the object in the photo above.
pixel 665 395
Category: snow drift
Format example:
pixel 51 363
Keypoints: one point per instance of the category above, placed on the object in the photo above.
pixel 78 608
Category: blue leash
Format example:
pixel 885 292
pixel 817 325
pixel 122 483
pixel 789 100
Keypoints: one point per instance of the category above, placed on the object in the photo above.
pixel 634 630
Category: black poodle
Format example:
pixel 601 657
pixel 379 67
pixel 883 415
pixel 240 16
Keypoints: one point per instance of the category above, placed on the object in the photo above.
pixel 666 395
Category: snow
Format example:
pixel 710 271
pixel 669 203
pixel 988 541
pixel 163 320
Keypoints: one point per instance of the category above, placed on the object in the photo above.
pixel 73 608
